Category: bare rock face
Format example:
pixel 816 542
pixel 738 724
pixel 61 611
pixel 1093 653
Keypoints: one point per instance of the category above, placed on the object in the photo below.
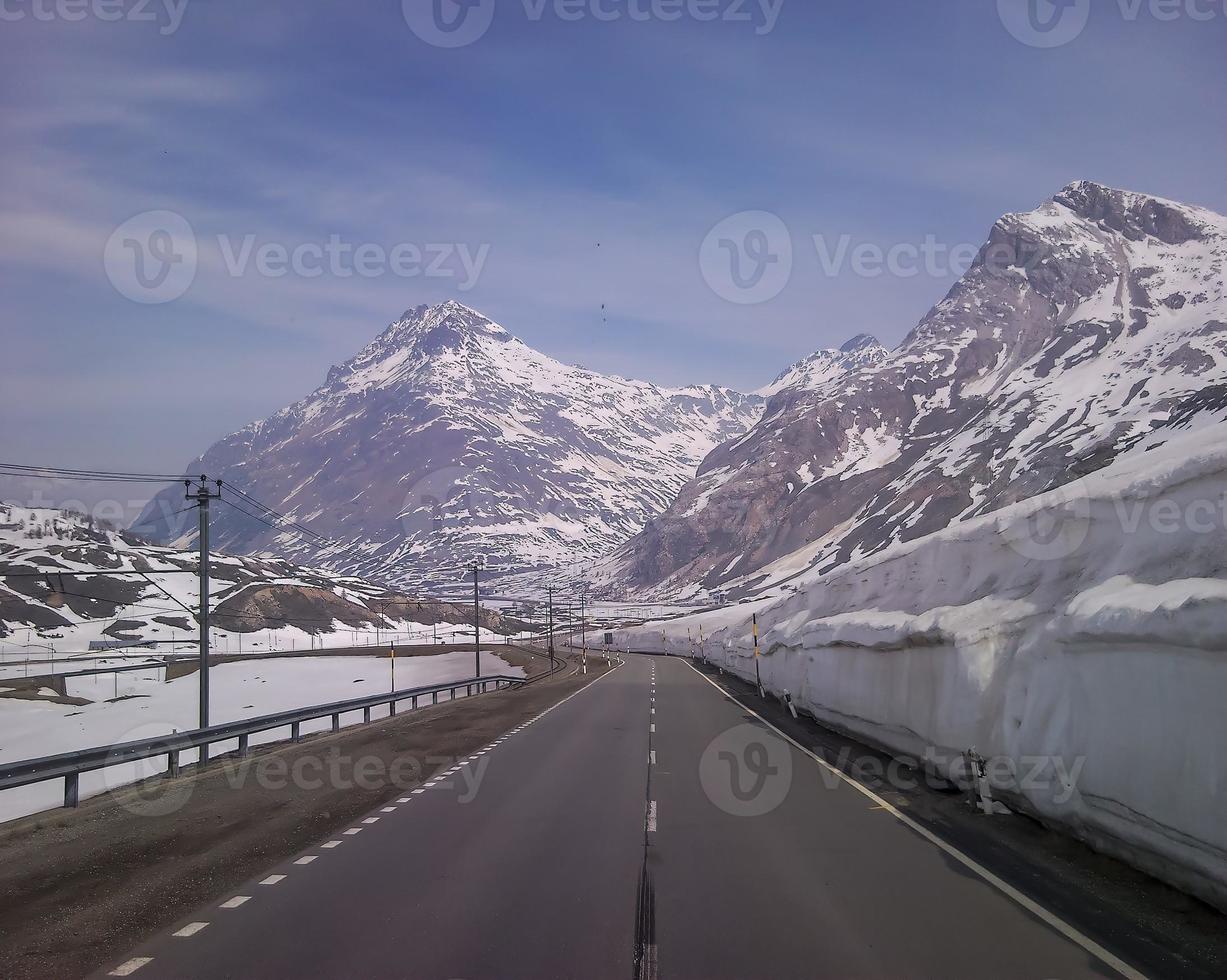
pixel 1087 328
pixel 447 440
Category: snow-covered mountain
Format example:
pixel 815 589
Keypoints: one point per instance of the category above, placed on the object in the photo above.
pixel 43 605
pixel 812 373
pixel 1092 326
pixel 448 440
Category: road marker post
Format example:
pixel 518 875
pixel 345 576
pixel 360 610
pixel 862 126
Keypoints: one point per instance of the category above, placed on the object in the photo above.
pixel 757 676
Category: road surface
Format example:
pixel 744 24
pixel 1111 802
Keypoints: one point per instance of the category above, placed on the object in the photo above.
pixel 646 826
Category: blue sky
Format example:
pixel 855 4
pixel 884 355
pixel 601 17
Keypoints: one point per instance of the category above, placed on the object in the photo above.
pixel 290 123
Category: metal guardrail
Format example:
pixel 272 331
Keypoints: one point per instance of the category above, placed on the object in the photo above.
pixel 70 765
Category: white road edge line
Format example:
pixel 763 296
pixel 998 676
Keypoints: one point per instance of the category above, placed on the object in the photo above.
pixel 130 967
pixel 1057 923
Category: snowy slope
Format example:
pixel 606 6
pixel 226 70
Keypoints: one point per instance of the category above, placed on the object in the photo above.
pixel 1092 326
pixel 447 439
pixel 273 603
pixel 1078 639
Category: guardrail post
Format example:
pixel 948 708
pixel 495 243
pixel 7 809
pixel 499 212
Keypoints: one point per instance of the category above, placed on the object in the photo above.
pixel 172 762
pixel 72 790
pixel 414 703
pixel 244 746
pixel 295 735
pixel 336 722
pixel 434 697
pixel 366 716
pixel 392 708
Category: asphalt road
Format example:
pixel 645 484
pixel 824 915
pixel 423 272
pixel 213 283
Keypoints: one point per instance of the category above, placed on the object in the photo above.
pixel 645 826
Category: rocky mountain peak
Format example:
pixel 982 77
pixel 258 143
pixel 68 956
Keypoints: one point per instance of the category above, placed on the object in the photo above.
pixel 1133 215
pixel 862 341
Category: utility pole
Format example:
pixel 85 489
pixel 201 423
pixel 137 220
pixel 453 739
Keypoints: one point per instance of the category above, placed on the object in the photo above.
pixel 550 593
pixel 202 497
pixel 476 624
pixel 583 627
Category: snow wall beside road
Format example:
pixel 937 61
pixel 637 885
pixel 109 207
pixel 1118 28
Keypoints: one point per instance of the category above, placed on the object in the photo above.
pixel 1083 632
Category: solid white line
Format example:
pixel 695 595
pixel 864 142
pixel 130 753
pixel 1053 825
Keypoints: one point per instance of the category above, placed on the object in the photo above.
pixel 234 903
pixel 127 969
pixel 273 879
pixel 1060 925
pixel 189 930
pixel 306 860
pixel 652 817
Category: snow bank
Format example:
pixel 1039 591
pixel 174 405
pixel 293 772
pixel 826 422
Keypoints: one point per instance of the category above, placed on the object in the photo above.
pixel 1078 639
pixel 150 706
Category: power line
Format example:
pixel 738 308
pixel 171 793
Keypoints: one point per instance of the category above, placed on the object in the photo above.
pixel 93 476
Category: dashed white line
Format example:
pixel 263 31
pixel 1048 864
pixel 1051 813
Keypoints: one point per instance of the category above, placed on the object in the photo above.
pixel 652 758
pixel 388 809
pixel 273 879
pixel 652 729
pixel 405 800
pixel 370 820
pixel 352 831
pixel 651 816
pixel 332 843
pixel 189 930
pixel 418 792
pixel 129 968
pixel 234 903
pixel 306 860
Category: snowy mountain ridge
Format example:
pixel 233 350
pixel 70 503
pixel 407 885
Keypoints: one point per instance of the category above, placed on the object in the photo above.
pixel 448 440
pixel 45 606
pixel 1090 327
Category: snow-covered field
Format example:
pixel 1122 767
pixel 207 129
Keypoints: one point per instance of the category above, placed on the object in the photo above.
pixel 1078 639
pixel 152 707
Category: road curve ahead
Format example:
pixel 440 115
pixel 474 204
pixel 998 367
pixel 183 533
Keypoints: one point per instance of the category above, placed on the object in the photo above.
pixel 646 826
